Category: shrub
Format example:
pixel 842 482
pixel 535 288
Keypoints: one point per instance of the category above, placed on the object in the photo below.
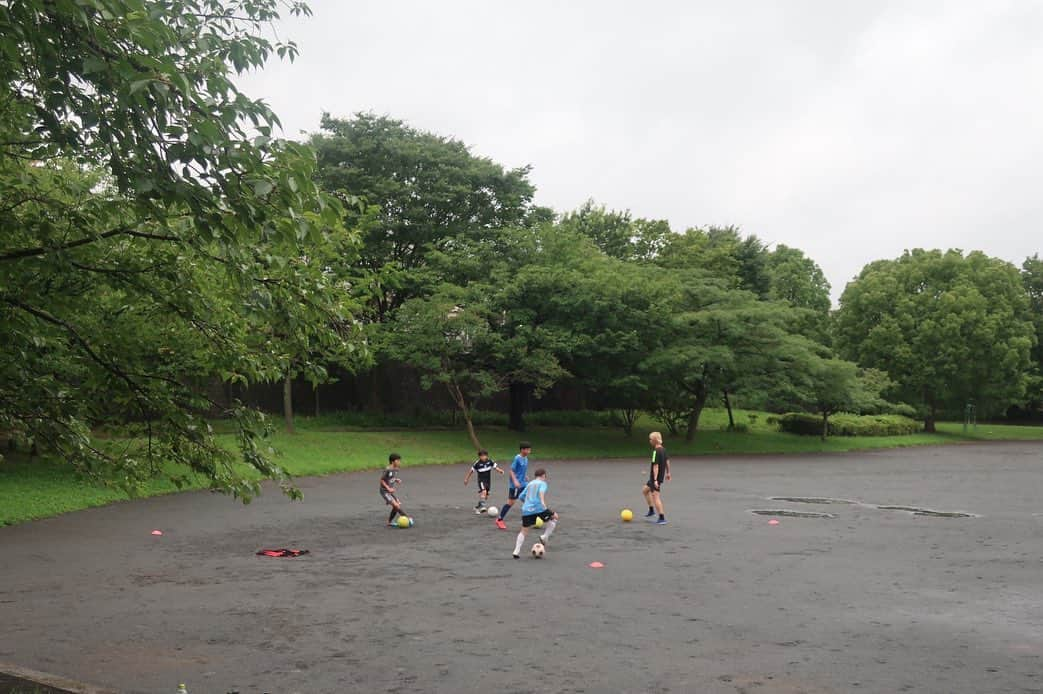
pixel 572 418
pixel 845 424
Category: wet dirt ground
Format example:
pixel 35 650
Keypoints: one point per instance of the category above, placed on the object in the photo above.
pixel 717 601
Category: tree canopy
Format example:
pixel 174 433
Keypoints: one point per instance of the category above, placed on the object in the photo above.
pixel 948 328
pixel 150 222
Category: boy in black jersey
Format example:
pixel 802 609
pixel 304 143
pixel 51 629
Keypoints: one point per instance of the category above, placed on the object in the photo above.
pixel 388 480
pixel 658 473
pixel 484 467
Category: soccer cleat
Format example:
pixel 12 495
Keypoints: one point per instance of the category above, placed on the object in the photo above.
pixel 650 514
pixel 661 521
pixel 516 556
pixel 500 524
pixel 478 511
pixel 543 540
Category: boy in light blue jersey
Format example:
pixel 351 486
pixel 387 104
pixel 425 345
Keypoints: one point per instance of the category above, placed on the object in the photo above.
pixel 534 505
pixel 516 483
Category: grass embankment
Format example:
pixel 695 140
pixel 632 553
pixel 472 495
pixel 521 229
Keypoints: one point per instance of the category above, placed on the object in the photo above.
pixel 41 488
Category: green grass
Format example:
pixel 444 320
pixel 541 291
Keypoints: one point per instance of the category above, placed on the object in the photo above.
pixel 40 488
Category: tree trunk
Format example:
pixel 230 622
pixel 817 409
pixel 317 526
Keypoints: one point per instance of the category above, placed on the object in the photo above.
pixel 728 405
pixel 928 423
pixel 825 425
pixel 519 393
pixel 461 403
pixel 287 403
pixel 316 391
pixel 697 409
pixel 629 416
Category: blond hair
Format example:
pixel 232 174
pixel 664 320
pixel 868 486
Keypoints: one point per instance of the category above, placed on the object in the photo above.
pixel 656 437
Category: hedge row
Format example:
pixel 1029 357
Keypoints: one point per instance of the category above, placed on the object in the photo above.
pixel 422 418
pixel 845 424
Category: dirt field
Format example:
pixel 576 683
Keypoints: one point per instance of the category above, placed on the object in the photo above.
pixel 719 600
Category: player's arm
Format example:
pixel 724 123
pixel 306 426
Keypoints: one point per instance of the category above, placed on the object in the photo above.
pixel 468 478
pixel 498 468
pixel 543 499
pixel 514 477
pixel 667 469
pixel 655 473
pixel 385 485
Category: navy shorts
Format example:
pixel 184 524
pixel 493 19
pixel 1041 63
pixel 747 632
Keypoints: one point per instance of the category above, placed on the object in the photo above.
pixel 483 484
pixel 513 493
pixel 529 521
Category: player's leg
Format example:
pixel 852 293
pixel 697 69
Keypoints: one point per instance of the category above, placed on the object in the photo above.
pixel 647 490
pixel 527 521
pixel 657 497
pixel 396 507
pixel 512 494
pixel 551 519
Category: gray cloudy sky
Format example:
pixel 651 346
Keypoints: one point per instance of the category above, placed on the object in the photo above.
pixel 851 130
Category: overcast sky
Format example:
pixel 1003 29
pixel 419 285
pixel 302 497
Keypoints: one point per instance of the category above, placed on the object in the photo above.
pixel 851 130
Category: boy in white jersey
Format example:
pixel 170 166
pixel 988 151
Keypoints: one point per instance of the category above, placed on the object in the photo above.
pixel 534 505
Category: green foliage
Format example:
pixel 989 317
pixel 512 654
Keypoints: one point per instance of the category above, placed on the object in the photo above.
pixel 424 191
pixel 1032 278
pixel 946 327
pixel 846 424
pixel 151 226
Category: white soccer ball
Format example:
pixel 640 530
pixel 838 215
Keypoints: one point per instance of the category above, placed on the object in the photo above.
pixel 493 511
pixel 537 550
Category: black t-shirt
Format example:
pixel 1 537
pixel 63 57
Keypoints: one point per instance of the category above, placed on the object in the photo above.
pixel 658 458
pixel 389 476
pixel 484 468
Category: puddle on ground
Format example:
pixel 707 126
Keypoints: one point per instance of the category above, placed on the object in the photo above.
pixel 928 512
pixel 811 500
pixel 786 513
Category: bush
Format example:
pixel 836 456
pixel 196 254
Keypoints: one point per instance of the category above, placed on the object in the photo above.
pixel 573 418
pixel 739 428
pixel 845 424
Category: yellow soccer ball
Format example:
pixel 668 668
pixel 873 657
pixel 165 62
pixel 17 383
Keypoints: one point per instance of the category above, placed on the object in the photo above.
pixel 539 522
pixel 627 515
pixel 404 522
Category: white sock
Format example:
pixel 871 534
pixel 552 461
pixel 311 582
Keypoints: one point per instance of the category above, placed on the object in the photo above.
pixel 518 543
pixel 550 528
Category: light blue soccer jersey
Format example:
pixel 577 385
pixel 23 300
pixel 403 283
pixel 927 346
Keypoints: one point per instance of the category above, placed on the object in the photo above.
pixel 519 467
pixel 532 504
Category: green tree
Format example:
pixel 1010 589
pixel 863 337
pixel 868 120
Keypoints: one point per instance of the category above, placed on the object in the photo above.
pixel 448 339
pixel 722 253
pixel 718 340
pixel 797 280
pixel 427 190
pixel 149 223
pixel 1032 278
pixel 833 385
pixel 948 328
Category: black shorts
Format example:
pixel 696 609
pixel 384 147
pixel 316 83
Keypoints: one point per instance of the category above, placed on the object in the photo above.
pixel 529 521
pixel 513 493
pixel 388 497
pixel 483 484
pixel 651 484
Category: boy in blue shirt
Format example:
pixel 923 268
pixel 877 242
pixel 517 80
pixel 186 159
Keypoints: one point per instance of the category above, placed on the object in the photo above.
pixel 516 483
pixel 534 505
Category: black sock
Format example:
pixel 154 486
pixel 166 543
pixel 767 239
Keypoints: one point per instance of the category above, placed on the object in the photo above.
pixel 651 509
pixel 504 510
pixel 394 512
pixel 662 516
